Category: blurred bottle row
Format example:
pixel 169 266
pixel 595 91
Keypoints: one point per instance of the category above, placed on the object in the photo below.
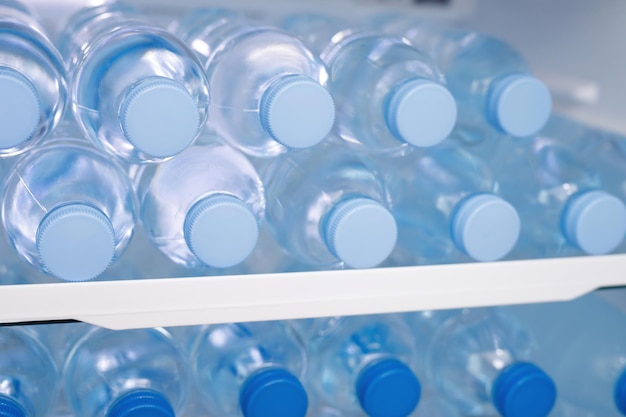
pixel 559 359
pixel 388 142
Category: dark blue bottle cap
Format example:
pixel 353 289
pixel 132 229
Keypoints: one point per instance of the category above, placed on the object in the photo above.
pixel 620 393
pixel 273 392
pixel 523 390
pixel 388 388
pixel 10 408
pixel 141 403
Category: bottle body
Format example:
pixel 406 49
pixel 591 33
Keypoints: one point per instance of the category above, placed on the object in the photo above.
pixel 139 362
pixel 447 207
pixel 137 91
pixel 307 190
pixel 281 101
pixel 479 359
pixel 28 376
pixel 205 173
pixel 389 96
pixel 347 355
pixel 68 209
pixel 232 363
pixel 581 345
pixel 33 82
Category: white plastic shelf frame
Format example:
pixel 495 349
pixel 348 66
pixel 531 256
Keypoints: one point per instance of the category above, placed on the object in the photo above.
pixel 197 300
pixel 567 41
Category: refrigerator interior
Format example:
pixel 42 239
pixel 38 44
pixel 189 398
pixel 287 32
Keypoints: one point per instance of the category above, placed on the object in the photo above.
pixel 574 46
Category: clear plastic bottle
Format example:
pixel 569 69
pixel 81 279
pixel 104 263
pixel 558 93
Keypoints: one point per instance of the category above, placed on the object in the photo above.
pixel 491 81
pixel 68 209
pixel 604 152
pixel 279 99
pixel 125 373
pixel 328 207
pixel 250 369
pixel 565 207
pixel 389 95
pixel 448 208
pixel 204 207
pixel 583 345
pixel 480 361
pixel 33 87
pixel 433 405
pixel 137 91
pixel 362 364
pixel 29 379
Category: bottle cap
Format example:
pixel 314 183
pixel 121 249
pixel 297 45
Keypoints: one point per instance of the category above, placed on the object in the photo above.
pixel 10 408
pixel 519 105
pixel 273 392
pixel 141 403
pixel 388 388
pixel 361 232
pixel 485 227
pixel 221 230
pixel 159 117
pixel 76 242
pixel 421 112
pixel 20 110
pixel 297 112
pixel 595 222
pixel 523 390
pixel 620 393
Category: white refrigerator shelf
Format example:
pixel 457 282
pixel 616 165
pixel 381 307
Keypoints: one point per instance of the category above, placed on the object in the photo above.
pixel 187 301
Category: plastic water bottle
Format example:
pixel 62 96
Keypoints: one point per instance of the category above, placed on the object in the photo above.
pixel 33 89
pixel 491 81
pixel 362 364
pixel 389 95
pixel 250 369
pixel 433 405
pixel 447 207
pixel 126 373
pixel 204 207
pixel 137 91
pixel 480 361
pixel 565 409
pixel 604 152
pixel 564 206
pixel 582 344
pixel 280 100
pixel 68 209
pixel 28 377
pixel 328 207
pixel 269 257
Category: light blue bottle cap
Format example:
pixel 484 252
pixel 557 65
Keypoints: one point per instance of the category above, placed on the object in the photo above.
pixel 595 222
pixel 620 393
pixel 76 242
pixel 141 403
pixel 10 408
pixel 159 117
pixel 297 112
pixel 523 390
pixel 388 388
pixel 361 232
pixel 519 105
pixel 273 392
pixel 19 108
pixel 221 230
pixel 421 112
pixel 485 227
